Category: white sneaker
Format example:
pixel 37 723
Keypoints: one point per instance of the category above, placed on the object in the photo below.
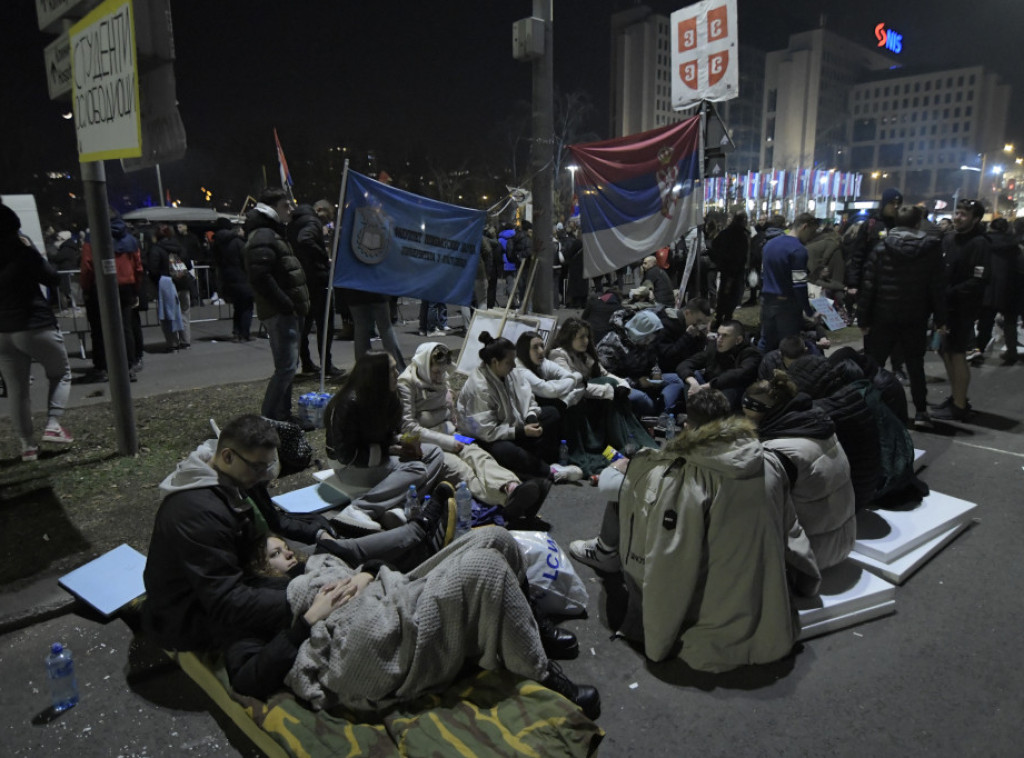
pixel 565 473
pixel 355 516
pixel 393 518
pixel 590 553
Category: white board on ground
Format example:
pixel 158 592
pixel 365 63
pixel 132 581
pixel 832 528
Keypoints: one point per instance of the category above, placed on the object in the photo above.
pixel 109 582
pixel 901 569
pixel 887 534
pixel 807 631
pixel 311 499
pixel 845 588
pixel 489 321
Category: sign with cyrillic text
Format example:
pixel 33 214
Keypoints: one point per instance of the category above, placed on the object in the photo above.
pixel 705 60
pixel 105 83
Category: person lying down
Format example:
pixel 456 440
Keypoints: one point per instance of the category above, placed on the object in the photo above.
pixel 369 637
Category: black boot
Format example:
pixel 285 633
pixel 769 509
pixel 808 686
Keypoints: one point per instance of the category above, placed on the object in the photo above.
pixel 583 695
pixel 559 644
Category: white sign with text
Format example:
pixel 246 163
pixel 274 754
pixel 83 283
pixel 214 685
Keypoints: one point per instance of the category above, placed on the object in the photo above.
pixel 705 59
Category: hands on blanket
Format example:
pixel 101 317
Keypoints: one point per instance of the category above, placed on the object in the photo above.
pixel 334 595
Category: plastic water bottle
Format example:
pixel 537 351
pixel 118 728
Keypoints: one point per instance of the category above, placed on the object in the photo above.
pixel 412 503
pixel 463 509
pixel 631 446
pixel 563 454
pixel 419 509
pixel 60 669
pixel 670 427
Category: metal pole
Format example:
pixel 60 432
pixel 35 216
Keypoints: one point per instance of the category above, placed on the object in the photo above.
pixel 542 159
pixel 159 184
pixel 330 282
pixel 94 180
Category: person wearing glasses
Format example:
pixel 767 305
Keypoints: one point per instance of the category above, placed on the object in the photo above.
pixel 215 511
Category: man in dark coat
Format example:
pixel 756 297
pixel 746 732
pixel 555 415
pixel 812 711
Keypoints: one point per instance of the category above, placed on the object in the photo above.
pixel 859 242
pixel 279 289
pixel 729 253
pixel 729 366
pixel 232 281
pixel 659 280
pixel 306 235
pixel 685 333
pixel 903 284
pixel 1001 291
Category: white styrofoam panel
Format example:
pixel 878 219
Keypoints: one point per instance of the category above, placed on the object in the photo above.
pixel 807 631
pixel 900 569
pixel 887 534
pixel 845 588
pixel 311 499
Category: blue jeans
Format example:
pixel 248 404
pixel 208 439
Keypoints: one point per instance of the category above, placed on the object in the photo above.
pixel 779 318
pixel 654 400
pixel 379 314
pixel 283 331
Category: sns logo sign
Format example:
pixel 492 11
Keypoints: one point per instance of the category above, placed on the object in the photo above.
pixel 889 39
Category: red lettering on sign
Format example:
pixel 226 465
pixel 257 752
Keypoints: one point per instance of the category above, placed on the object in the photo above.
pixel 688 73
pixel 718 64
pixel 718 24
pixel 687 31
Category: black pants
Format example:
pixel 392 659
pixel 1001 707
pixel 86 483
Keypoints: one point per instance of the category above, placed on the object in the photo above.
pixel 126 297
pixel 530 456
pixel 730 293
pixel 886 338
pixel 317 303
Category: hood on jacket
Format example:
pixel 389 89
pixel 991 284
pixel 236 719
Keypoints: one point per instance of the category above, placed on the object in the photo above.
pixel 728 445
pixel 418 369
pixel 798 418
pixel 195 472
pixel 772 232
pixel 814 375
pixel 643 327
pixel 263 217
pixel 910 243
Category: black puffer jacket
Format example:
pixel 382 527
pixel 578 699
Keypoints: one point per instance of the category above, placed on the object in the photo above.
pixel 734 369
pixel 675 343
pixel 229 256
pixel 855 424
pixel 306 235
pixel 1002 287
pixel 904 280
pixel 22 270
pixel 852 366
pixel 968 268
pixel 275 274
pixel 598 314
pixel 730 249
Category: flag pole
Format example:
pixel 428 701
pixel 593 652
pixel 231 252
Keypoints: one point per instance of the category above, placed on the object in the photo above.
pixel 330 281
pixel 699 239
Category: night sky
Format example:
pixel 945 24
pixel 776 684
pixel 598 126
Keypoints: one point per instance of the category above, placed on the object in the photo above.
pixel 428 80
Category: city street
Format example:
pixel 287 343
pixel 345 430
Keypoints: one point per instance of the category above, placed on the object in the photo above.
pixel 940 677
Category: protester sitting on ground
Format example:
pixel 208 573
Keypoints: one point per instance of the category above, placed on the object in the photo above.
pixel 388 637
pixel 497 409
pixel 685 333
pixel 710 529
pixel 215 509
pixel 29 332
pixel 660 283
pixel 605 415
pixel 790 348
pixel 729 366
pixel 628 350
pixel 804 440
pixel 598 312
pixel 374 463
pixel 428 410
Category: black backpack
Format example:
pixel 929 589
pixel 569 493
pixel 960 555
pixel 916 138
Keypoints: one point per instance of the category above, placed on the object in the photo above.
pixel 295 453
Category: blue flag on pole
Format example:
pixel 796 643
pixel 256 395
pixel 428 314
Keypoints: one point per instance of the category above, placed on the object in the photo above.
pixel 396 243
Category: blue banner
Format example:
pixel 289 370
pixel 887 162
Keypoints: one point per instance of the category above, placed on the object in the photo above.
pixel 396 243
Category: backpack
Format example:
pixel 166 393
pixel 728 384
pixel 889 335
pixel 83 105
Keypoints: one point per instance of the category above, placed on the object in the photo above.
pixel 295 453
pixel 178 269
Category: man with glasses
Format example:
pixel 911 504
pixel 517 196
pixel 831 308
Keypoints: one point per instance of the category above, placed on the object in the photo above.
pixel 216 512
pixel 279 289
pixel 968 270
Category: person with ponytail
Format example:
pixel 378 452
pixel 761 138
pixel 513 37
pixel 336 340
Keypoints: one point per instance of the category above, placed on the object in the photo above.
pixel 498 410
pixel 804 440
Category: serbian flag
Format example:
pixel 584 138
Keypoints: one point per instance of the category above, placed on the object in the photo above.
pixel 396 243
pixel 282 164
pixel 636 194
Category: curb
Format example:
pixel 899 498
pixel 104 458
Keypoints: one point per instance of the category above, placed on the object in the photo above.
pixel 39 601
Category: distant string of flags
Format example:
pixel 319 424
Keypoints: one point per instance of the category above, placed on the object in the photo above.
pixel 783 185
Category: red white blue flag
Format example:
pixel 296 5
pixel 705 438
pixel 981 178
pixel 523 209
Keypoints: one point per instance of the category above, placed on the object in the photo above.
pixel 636 194
pixel 282 164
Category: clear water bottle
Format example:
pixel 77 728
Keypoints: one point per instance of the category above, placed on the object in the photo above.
pixel 412 503
pixel 419 509
pixel 670 427
pixel 463 509
pixel 631 447
pixel 60 669
pixel 563 454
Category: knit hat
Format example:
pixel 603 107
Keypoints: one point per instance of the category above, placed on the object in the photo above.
pixel 891 195
pixel 643 326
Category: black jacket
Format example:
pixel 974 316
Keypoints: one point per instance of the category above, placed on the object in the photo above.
pixel 729 251
pixel 306 234
pixel 661 284
pixel 968 269
pixel 275 274
pixel 229 257
pixel 904 281
pixel 22 270
pixel 359 435
pixel 675 344
pixel 1003 285
pixel 598 313
pixel 735 369
pixel 859 242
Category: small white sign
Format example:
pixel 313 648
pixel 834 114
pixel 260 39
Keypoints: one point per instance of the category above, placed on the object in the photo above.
pixel 50 12
pixel 705 60
pixel 57 57
pixel 105 83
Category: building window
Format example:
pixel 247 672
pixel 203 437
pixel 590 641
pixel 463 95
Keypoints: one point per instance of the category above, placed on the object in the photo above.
pixel 971 81
pixel 928 86
pixel 970 93
pixel 960 81
pixel 956 113
pixel 917 86
pixel 967 126
pixel 968 110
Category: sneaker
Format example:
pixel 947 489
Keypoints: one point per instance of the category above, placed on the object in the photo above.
pixel 132 376
pixel 922 420
pixel 951 412
pixel 437 333
pixel 583 695
pixel 946 403
pixel 336 372
pixel 310 368
pixel 29 454
pixel 393 518
pixel 901 377
pixel 525 500
pixel 438 518
pixel 972 354
pixel 57 434
pixel 357 517
pixel 1008 359
pixel 565 473
pixel 589 553
pixel 422 332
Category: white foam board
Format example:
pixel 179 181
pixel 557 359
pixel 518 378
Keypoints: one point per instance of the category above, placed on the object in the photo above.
pixel 907 530
pixel 918 453
pixel 807 631
pixel 900 569
pixel 311 499
pixel 109 582
pixel 845 589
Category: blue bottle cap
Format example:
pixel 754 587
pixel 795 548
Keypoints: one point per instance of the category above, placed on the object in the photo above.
pixel 56 648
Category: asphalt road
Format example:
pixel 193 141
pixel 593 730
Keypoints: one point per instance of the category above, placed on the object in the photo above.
pixel 941 677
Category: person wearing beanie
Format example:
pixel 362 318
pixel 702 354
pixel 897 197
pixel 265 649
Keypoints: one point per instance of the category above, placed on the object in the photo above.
pixel 29 332
pixel 866 235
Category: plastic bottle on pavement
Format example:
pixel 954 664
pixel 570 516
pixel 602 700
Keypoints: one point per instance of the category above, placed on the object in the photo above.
pixel 60 669
pixel 463 509
pixel 412 503
pixel 670 427
pixel 563 454
pixel 631 446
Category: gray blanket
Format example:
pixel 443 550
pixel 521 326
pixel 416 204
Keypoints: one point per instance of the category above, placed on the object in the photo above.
pixel 407 634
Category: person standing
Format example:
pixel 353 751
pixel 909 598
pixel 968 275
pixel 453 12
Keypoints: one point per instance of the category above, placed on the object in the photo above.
pixel 306 234
pixel 279 289
pixel 859 242
pixel 233 282
pixel 29 332
pixel 729 253
pixel 784 282
pixel 903 284
pixel 169 271
pixel 968 269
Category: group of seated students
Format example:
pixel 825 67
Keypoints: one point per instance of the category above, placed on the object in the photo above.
pixel 713 532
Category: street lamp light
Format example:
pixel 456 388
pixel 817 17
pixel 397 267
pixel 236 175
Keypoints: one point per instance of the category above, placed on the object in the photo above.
pixel 573 168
